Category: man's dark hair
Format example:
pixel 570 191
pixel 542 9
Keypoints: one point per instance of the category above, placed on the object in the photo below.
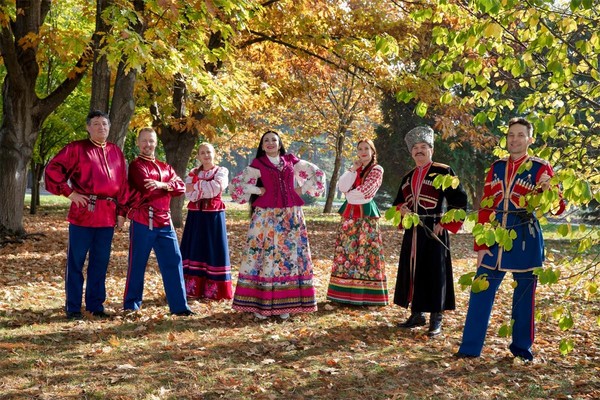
pixel 521 121
pixel 94 114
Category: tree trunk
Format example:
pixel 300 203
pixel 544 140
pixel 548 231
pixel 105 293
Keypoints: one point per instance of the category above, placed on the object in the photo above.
pixel 36 173
pixel 123 106
pixel 100 71
pixel 337 164
pixel 178 147
pixel 17 135
pixel 23 113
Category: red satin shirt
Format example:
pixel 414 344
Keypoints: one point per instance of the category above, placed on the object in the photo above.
pixel 93 170
pixel 141 199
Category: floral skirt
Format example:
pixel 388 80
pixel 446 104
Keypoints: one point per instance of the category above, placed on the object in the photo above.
pixel 276 274
pixel 358 272
pixel 205 253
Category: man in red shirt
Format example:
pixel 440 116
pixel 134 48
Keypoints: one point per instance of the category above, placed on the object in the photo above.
pixel 152 184
pixel 92 173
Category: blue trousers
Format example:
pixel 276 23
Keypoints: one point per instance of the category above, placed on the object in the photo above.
pixel 166 248
pixel 480 309
pixel 96 242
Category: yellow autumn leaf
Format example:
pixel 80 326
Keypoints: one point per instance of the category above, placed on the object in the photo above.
pixel 493 30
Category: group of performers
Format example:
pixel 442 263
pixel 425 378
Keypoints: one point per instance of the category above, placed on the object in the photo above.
pixel 276 272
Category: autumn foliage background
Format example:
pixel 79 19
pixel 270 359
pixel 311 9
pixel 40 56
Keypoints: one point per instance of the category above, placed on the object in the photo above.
pixel 337 352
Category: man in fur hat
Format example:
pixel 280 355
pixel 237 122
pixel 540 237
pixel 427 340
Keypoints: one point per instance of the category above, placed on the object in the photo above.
pixel 425 281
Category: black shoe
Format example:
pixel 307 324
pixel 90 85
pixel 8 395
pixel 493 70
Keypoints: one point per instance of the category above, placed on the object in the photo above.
pixel 415 319
pixel 458 354
pixel 435 324
pixel 100 314
pixel 185 313
pixel 74 315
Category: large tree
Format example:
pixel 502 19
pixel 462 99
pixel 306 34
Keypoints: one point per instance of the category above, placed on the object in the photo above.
pixel 23 110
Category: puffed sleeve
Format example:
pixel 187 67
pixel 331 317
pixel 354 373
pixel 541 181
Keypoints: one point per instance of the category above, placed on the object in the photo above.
pixel 207 189
pixel 310 178
pixel 346 181
pixel 366 190
pixel 243 185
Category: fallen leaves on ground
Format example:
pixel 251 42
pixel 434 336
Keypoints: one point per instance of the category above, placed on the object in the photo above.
pixel 339 352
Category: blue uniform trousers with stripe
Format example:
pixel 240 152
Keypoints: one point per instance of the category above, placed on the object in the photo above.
pixel 163 240
pixel 83 242
pixel 480 309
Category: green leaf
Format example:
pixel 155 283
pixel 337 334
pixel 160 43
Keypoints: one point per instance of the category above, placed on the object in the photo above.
pixel 421 109
pixel 455 182
pixel 466 280
pixel 422 14
pixel 566 321
pixel 490 238
pixel 506 329
pixel 566 346
pixel 438 181
pixel 404 96
pixel 480 118
pixel 390 213
pixel 407 222
pixel 415 219
pixel 564 230
pixel 446 98
pixel 397 219
pixel 480 284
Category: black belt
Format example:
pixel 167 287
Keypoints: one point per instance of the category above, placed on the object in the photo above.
pixel 92 198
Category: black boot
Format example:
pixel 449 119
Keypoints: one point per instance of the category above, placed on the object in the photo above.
pixel 435 323
pixel 415 319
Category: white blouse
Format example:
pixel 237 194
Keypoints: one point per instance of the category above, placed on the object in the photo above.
pixel 208 184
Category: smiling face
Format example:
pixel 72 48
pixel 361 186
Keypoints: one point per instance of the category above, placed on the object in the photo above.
pixel 518 140
pixel 364 152
pixel 98 128
pixel 271 144
pixel 206 156
pixel 146 142
pixel 421 153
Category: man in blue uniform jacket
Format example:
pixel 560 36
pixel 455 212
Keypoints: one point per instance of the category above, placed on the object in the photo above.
pixel 508 182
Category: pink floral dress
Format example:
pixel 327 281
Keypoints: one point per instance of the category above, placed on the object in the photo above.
pixel 276 274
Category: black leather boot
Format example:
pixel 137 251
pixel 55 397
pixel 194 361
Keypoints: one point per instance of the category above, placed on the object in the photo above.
pixel 415 319
pixel 435 323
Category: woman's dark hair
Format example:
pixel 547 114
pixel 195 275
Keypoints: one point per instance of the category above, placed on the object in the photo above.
pixel 259 153
pixel 373 161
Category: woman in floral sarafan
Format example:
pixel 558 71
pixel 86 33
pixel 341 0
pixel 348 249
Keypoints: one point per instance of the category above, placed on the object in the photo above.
pixel 204 247
pixel 276 274
pixel 358 272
